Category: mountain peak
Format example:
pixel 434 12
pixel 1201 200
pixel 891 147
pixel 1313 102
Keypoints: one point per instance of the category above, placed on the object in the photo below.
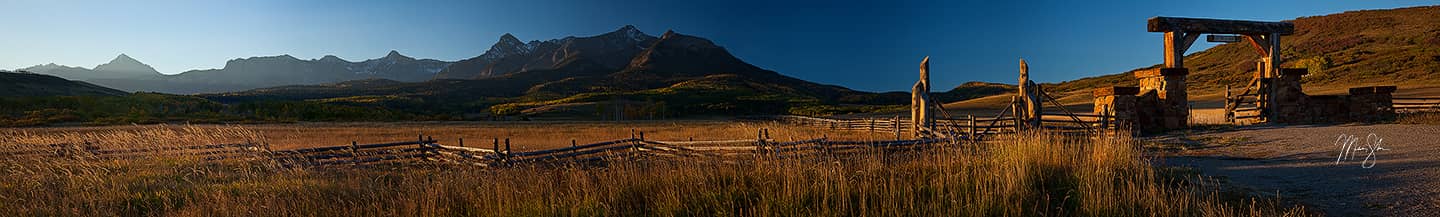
pixel 395 54
pixel 122 58
pixel 331 58
pixel 628 29
pixel 507 38
pixel 507 46
pixel 629 32
pixel 127 65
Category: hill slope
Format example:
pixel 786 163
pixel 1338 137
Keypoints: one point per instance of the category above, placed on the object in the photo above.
pixel 24 84
pixel 1393 46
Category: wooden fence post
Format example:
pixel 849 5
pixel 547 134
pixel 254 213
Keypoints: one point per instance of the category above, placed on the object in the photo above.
pixel 872 124
pixel 971 118
pixel 759 141
pixel 354 153
pixel 896 122
pixel 507 148
pixel 462 142
pixel 824 146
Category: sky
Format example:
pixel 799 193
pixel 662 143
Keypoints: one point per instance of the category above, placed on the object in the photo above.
pixel 864 45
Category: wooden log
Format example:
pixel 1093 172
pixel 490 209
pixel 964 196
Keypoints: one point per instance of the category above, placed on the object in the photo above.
pixel 1217 26
pixel 465 149
pixel 354 152
pixel 580 147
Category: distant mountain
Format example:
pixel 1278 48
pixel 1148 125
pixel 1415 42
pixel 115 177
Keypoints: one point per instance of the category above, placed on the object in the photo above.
pixel 122 67
pixel 673 74
pixel 1392 46
pixel 610 51
pixel 248 73
pixel 18 84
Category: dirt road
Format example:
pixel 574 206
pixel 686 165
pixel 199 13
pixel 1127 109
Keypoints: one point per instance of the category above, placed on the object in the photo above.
pixel 1304 163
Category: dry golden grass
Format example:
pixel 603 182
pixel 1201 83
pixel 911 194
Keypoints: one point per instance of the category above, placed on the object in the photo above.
pixel 1429 118
pixel 1027 175
pixel 1208 116
pixel 522 135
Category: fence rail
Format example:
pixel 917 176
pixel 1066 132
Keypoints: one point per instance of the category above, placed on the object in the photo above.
pixel 1416 104
pixel 429 150
pixel 969 126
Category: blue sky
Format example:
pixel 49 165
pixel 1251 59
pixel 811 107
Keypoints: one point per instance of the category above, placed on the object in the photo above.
pixel 866 45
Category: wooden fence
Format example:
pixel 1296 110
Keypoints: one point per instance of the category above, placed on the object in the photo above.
pixel 499 154
pixel 970 125
pixel 1416 104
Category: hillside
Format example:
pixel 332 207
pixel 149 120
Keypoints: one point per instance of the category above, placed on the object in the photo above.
pixel 24 84
pixel 1393 46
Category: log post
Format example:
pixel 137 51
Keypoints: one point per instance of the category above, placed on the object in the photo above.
pixel 971 131
pixel 1014 109
pixel 872 124
pixel 896 123
pixel 760 142
pixel 354 153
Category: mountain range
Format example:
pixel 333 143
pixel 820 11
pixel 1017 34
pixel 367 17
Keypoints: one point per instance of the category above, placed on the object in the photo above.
pixel 128 74
pixel 576 74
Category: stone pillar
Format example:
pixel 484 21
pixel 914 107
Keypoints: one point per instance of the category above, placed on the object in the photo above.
pixel 1169 86
pixel 1291 103
pixel 1372 104
pixel 1117 102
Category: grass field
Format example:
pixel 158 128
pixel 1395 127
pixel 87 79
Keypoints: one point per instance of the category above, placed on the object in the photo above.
pixel 522 135
pixel 1027 175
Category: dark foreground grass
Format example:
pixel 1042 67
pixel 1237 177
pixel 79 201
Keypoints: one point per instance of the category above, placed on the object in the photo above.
pixel 1030 175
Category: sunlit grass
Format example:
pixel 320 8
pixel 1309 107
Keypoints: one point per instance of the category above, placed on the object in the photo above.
pixel 1027 175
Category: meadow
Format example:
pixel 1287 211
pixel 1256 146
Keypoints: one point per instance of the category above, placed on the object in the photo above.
pixel 1035 174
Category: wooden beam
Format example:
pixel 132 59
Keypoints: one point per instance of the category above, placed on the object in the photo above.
pixel 1217 26
pixel 1175 45
pixel 1261 44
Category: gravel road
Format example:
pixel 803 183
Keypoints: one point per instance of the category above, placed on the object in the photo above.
pixel 1300 162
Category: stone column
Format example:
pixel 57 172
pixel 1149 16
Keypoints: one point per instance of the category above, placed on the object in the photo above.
pixel 1169 87
pixel 1372 104
pixel 1291 103
pixel 1118 103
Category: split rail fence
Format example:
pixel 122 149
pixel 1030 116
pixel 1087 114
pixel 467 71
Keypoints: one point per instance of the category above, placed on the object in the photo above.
pixel 499 154
pixel 969 126
pixel 1416 104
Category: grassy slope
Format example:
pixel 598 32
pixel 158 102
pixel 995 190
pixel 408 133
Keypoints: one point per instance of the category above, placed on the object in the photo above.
pixel 1395 46
pixel 28 84
pixel 1358 48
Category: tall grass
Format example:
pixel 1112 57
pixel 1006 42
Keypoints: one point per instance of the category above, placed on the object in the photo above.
pixel 1027 175
pixel 1428 118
